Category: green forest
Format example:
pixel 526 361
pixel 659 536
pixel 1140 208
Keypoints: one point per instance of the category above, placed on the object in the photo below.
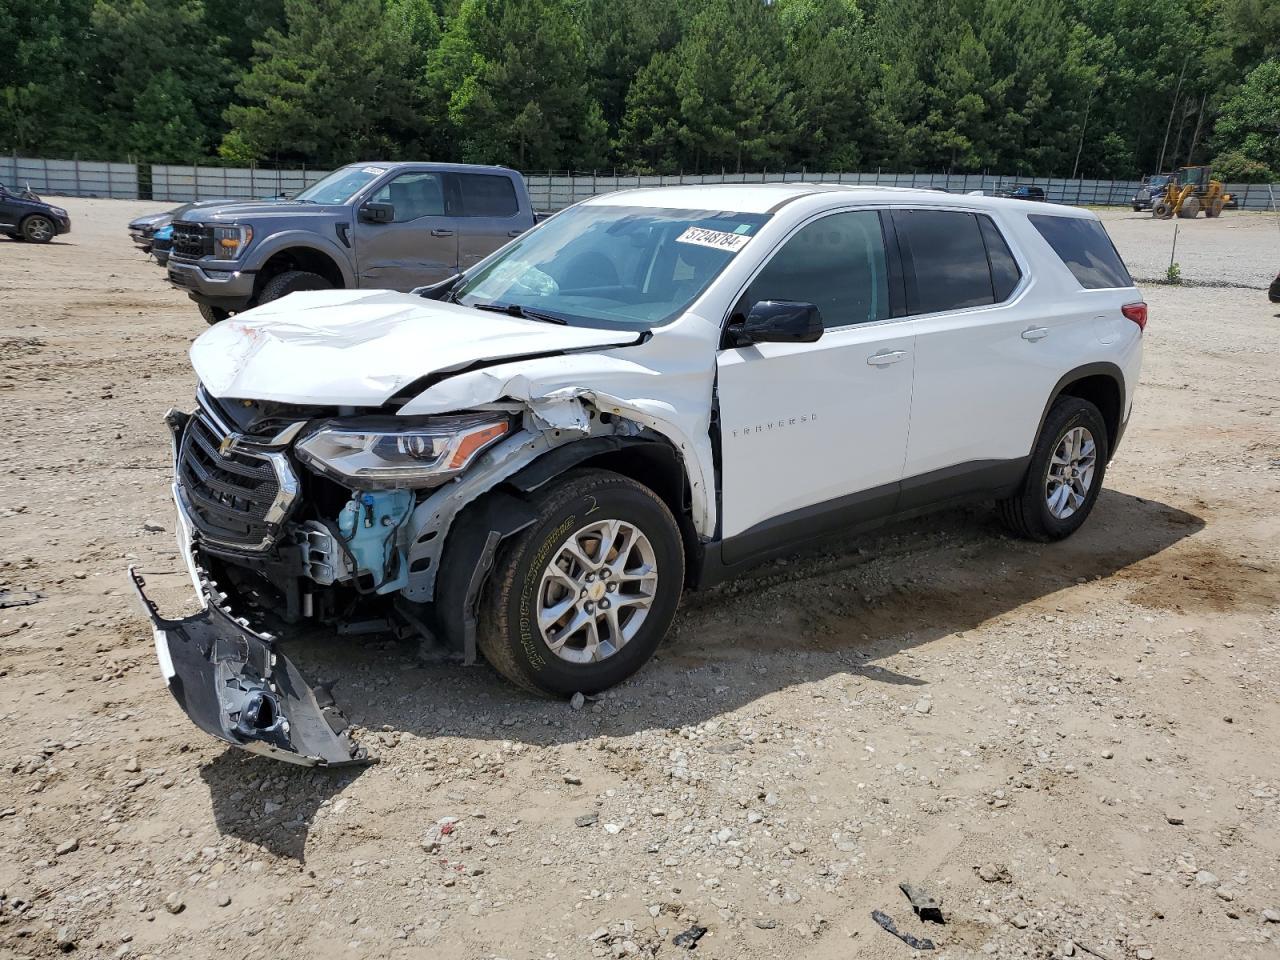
pixel 1092 88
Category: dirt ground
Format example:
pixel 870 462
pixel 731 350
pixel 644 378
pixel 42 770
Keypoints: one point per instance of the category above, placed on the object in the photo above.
pixel 1074 746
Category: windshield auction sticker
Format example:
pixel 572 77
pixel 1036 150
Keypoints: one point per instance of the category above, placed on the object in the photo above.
pixel 733 242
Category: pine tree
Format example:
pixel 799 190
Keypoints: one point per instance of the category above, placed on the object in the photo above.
pixel 330 88
pixel 511 74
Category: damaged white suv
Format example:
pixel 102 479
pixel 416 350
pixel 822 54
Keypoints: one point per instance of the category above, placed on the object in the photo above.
pixel 652 390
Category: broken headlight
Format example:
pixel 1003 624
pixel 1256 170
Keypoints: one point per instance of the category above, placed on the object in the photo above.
pixel 419 455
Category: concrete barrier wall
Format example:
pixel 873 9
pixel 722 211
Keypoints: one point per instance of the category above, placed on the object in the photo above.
pixel 185 183
pixel 549 191
pixel 71 178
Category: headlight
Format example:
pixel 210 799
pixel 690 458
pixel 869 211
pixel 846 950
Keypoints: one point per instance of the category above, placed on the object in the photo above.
pixel 230 242
pixel 420 455
pixel 58 211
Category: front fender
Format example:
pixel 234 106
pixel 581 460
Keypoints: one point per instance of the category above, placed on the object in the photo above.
pixel 671 399
pixel 263 251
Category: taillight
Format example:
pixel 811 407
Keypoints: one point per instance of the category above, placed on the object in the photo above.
pixel 1137 312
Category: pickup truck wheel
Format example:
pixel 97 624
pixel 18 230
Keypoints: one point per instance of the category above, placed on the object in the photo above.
pixel 580 600
pixel 38 229
pixel 291 281
pixel 213 315
pixel 1065 475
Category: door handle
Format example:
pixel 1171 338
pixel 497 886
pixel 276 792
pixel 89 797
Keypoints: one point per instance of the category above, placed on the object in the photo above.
pixel 886 358
pixel 1035 333
pixel 442 233
pixel 514 233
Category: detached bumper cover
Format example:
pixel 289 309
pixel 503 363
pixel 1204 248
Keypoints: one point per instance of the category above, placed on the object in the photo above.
pixel 234 686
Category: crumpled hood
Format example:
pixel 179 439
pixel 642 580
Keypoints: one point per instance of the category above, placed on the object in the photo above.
pixel 359 347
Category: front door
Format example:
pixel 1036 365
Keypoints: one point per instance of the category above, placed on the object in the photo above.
pixel 419 246
pixel 11 210
pixel 813 435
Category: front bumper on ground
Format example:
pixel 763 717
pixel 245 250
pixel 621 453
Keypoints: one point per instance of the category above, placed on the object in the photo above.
pixel 234 686
pixel 220 284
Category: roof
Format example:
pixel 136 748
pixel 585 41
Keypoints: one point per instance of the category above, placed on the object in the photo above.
pixel 432 164
pixel 768 197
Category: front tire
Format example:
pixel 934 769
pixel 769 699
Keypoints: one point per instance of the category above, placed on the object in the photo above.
pixel 213 315
pixel 291 281
pixel 580 600
pixel 38 229
pixel 1067 468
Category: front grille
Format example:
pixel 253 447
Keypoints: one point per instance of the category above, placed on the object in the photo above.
pixel 193 240
pixel 229 496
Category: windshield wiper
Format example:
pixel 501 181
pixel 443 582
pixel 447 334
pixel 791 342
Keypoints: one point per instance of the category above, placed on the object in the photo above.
pixel 524 313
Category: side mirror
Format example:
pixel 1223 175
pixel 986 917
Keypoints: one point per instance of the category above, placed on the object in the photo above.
pixel 373 212
pixel 780 321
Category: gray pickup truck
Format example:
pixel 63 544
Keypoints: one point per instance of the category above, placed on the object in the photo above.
pixel 389 226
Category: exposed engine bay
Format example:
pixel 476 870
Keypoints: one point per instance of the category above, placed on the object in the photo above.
pixel 290 514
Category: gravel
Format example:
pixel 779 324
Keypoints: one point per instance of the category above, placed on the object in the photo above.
pixel 779 731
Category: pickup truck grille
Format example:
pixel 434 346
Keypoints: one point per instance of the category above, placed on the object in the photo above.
pixel 232 498
pixel 192 240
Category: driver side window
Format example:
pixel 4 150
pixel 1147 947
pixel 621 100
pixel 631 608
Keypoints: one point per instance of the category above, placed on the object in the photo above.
pixel 413 195
pixel 836 263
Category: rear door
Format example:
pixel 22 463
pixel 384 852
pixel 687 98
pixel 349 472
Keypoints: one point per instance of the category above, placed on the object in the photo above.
pixel 813 434
pixel 985 361
pixel 420 245
pixel 490 214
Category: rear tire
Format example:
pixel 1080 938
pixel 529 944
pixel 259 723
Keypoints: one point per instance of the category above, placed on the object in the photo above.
pixel 291 281
pixel 38 229
pixel 213 315
pixel 1030 513
pixel 535 576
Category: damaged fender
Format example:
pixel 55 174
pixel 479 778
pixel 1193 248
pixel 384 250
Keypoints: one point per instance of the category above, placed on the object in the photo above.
pixel 234 686
pixel 550 388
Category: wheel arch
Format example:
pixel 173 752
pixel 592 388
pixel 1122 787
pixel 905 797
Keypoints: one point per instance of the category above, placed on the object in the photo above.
pixel 22 221
pixel 303 256
pixel 475 535
pixel 1102 384
pixel 648 459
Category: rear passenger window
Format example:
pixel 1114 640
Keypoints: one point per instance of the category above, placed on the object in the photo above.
pixel 1086 249
pixel 836 263
pixel 485 195
pixel 1004 269
pixel 949 259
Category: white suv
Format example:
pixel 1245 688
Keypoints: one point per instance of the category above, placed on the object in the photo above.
pixel 652 390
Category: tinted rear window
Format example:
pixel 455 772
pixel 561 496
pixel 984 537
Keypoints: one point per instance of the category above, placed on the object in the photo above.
pixel 948 257
pixel 484 195
pixel 1086 249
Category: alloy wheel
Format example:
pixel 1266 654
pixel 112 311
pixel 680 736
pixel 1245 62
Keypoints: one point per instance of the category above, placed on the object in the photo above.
pixel 597 591
pixel 1070 475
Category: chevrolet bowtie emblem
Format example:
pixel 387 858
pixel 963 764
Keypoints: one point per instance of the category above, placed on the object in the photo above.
pixel 225 446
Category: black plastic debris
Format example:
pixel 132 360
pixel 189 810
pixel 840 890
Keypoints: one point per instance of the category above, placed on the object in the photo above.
pixel 19 598
pixel 915 943
pixel 689 939
pixel 926 905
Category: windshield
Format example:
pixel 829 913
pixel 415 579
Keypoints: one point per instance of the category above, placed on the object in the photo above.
pixel 341 185
pixel 609 266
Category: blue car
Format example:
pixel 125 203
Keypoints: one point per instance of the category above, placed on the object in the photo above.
pixel 24 216
pixel 162 243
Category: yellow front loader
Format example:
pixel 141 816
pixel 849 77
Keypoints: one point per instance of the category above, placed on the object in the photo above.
pixel 1194 190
